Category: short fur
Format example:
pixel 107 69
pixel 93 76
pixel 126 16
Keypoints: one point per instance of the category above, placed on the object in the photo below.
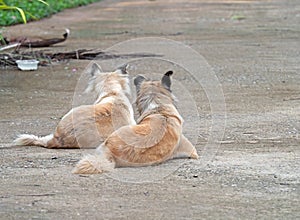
pixel 87 126
pixel 156 138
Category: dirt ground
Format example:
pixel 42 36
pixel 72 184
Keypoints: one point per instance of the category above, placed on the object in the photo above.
pixel 253 171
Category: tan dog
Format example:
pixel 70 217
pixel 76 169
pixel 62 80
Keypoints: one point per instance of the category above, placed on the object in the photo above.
pixel 156 138
pixel 88 126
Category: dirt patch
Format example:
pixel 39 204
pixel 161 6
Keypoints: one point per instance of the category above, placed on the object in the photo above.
pixel 255 172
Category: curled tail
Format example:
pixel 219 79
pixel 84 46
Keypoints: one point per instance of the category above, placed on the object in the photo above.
pixel 32 140
pixel 94 164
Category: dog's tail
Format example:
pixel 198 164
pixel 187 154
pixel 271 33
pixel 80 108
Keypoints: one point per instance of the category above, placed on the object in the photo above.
pixel 94 164
pixel 32 140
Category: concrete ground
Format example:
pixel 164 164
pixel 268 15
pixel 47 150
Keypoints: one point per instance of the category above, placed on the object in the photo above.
pixel 249 172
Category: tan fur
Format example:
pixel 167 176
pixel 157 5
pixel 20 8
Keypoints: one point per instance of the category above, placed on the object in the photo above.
pixel 92 163
pixel 185 149
pixel 156 138
pixel 89 125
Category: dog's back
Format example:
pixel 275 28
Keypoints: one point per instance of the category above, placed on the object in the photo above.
pixel 87 126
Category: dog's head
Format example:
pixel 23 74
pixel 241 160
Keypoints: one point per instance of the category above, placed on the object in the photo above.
pixel 153 94
pixel 108 82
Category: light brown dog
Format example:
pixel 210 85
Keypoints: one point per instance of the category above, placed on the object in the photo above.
pixel 87 126
pixel 156 138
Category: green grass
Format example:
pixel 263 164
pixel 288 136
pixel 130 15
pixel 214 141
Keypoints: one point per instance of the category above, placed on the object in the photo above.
pixel 35 10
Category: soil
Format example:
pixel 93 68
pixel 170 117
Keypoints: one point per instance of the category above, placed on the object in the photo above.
pixel 249 172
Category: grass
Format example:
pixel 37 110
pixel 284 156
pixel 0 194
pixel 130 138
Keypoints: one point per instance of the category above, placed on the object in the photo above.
pixel 35 10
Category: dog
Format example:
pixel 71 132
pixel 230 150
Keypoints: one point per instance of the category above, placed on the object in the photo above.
pixel 157 136
pixel 87 126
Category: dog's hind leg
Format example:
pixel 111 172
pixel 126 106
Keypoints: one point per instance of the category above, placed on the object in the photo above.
pixel 185 149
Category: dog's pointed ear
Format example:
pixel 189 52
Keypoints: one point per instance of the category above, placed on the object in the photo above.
pixel 166 80
pixel 95 69
pixel 138 80
pixel 123 69
pixel 92 71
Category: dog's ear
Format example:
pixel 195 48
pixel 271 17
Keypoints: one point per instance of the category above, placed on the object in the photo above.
pixel 123 69
pixel 166 80
pixel 95 69
pixel 138 80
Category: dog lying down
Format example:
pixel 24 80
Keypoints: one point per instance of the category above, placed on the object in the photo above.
pixel 155 138
pixel 88 126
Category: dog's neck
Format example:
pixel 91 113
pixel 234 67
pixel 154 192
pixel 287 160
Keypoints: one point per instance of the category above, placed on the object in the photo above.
pixel 109 96
pixel 156 105
pixel 111 90
pixel 106 97
pixel 165 110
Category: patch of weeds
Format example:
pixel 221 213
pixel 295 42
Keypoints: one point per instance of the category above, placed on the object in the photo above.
pixel 34 10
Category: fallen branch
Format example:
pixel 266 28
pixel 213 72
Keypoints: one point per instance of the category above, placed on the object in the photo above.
pixel 27 42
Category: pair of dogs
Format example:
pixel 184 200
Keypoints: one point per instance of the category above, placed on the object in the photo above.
pixel 109 125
